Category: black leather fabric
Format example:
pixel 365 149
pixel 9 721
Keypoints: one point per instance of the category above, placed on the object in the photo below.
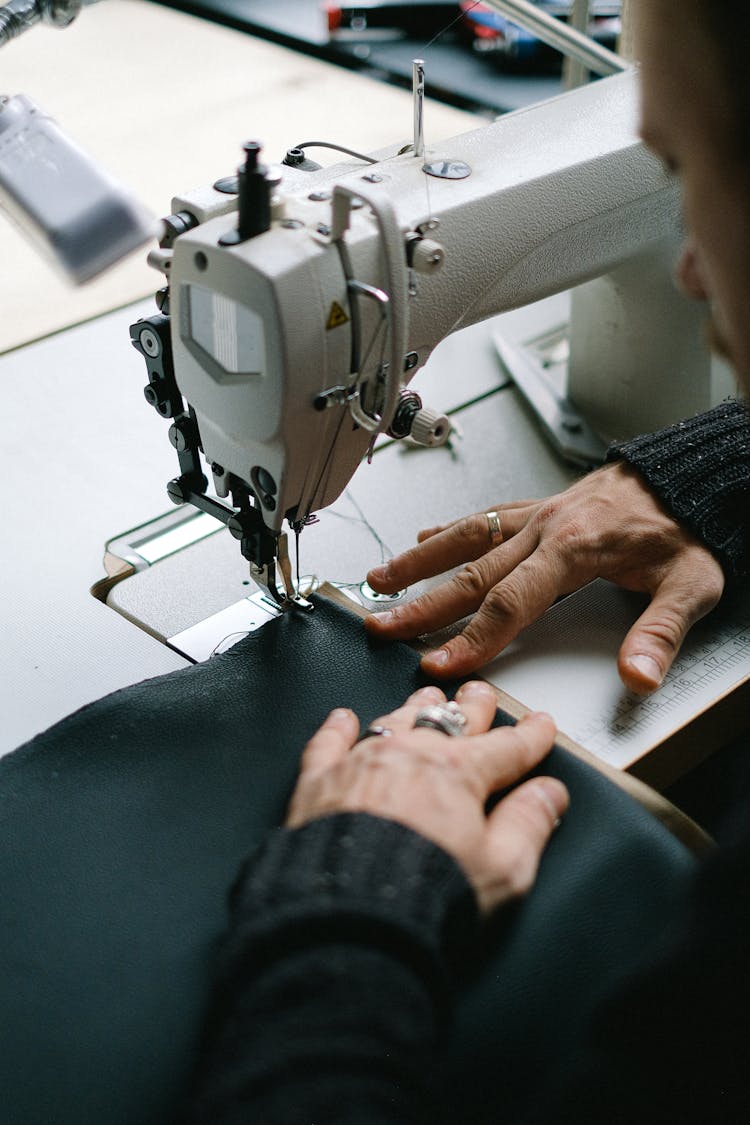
pixel 122 829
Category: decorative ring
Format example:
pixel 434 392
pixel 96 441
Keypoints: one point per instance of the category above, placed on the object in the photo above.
pixel 374 732
pixel 493 527
pixel 448 718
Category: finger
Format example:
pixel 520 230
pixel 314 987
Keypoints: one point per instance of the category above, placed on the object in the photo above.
pixel 478 702
pixel 331 742
pixel 428 532
pixel 443 548
pixel 402 718
pixel 519 829
pixel 506 754
pixel 509 514
pixel 650 647
pixel 459 542
pixel 508 607
pixel 456 597
pixel 476 699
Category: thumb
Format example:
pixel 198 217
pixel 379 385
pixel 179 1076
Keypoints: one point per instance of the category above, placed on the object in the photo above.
pixel 650 647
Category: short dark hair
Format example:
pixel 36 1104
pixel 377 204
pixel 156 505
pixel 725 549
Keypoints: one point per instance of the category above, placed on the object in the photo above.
pixel 728 23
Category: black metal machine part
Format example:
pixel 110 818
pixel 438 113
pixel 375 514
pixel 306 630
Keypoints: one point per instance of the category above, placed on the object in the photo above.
pixel 152 338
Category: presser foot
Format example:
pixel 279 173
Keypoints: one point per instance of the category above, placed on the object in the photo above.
pixel 265 576
pixel 283 600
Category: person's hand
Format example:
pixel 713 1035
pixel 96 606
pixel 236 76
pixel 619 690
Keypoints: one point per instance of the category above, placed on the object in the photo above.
pixel 438 785
pixel 607 525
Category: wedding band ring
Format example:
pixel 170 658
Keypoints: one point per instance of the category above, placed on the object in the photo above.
pixel 448 718
pixel 375 732
pixel 493 527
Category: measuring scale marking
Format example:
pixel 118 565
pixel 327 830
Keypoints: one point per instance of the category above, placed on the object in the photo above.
pixel 566 664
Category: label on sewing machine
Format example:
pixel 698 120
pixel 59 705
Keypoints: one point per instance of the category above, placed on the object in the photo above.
pixel 566 664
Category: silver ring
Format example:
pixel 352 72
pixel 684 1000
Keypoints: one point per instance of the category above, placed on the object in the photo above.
pixel 375 732
pixel 493 527
pixel 445 717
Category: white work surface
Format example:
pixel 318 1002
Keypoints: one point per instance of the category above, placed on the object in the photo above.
pixel 165 101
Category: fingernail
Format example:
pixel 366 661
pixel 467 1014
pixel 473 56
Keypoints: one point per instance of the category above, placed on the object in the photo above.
pixel 339 715
pixel 385 617
pixel 646 667
pixel 475 689
pixel 534 715
pixel 439 657
pixel 430 692
pixel 554 796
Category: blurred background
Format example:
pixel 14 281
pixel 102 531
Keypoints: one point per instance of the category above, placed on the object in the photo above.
pixel 163 93
pixel 477 59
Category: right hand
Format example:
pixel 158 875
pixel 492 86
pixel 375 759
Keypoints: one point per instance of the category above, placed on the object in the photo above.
pixel 607 525
pixel 439 785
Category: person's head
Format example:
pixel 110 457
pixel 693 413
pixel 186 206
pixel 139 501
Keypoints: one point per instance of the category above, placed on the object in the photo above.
pixel 696 116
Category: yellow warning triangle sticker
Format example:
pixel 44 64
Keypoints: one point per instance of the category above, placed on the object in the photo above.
pixel 336 316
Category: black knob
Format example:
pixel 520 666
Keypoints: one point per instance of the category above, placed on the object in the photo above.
pixel 254 198
pixel 254 195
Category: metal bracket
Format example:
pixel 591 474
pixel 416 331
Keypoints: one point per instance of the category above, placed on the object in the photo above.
pixel 567 429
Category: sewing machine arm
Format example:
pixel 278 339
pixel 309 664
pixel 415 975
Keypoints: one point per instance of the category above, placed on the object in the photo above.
pixel 299 307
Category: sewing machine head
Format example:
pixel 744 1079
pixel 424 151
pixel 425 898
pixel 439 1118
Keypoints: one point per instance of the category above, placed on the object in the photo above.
pixel 300 303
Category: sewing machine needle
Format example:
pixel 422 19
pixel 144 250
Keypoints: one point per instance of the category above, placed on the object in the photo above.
pixel 296 552
pixel 417 80
pixel 285 565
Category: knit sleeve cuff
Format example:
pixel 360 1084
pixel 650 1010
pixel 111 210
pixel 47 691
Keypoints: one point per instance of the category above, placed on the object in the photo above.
pixel 700 470
pixel 358 878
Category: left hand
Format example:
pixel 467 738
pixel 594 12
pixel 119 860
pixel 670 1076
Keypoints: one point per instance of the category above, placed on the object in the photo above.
pixel 607 525
pixel 438 785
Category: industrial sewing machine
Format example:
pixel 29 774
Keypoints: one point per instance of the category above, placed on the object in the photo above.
pixel 299 304
pixel 301 301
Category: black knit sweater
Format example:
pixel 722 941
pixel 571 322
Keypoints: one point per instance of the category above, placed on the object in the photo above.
pixel 700 470
pixel 335 986
pixel 335 979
